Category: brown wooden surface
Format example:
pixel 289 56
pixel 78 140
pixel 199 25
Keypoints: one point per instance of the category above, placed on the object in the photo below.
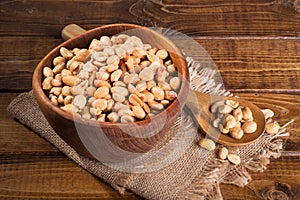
pixel 255 45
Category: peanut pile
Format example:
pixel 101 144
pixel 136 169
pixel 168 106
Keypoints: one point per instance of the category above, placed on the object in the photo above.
pixel 116 79
pixel 232 118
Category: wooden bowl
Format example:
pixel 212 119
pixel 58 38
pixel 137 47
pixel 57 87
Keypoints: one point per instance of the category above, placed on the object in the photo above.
pixel 90 138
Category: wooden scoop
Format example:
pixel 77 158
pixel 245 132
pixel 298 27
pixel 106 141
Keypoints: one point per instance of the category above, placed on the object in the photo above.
pixel 199 105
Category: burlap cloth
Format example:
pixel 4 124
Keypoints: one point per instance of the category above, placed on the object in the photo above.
pixel 195 174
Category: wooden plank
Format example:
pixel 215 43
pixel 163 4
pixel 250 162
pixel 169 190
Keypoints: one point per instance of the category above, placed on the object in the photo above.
pixel 245 64
pixel 192 17
pixel 281 180
pixel 51 177
pixel 55 177
pixel 16 139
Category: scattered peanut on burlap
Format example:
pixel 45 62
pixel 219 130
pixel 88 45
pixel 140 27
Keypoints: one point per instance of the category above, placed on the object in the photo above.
pixel 116 79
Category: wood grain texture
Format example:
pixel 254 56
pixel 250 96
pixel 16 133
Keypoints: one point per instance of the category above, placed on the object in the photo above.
pixel 255 64
pixel 51 177
pixel 193 17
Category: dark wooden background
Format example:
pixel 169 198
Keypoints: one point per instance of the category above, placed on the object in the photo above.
pixel 255 44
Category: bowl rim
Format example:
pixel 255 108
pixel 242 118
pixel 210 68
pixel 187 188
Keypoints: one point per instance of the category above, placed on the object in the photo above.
pixel 39 92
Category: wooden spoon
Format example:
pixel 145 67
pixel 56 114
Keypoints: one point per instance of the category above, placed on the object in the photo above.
pixel 199 105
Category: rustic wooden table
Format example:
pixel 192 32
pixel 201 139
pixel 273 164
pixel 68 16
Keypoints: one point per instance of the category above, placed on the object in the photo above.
pixel 255 45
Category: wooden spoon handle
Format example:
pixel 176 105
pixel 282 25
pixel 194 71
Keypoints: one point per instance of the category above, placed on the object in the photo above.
pixel 71 31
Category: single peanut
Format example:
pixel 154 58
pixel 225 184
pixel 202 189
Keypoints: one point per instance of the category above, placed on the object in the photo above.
pixel 272 128
pixel 249 127
pixel 235 159
pixel 207 144
pixel 222 153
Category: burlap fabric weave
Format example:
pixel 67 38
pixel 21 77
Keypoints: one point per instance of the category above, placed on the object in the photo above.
pixel 196 174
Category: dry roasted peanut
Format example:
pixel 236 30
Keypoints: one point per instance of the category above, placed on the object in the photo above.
pixel 171 68
pixel 85 113
pixel 139 53
pixel 146 74
pixel 147 96
pixel 247 113
pixel 70 80
pixel 46 85
pixel 47 72
pixel 121 52
pixel 175 83
pixel 217 122
pixel 58 68
pixel 54 100
pixel 56 82
pixel 118 97
pixel 238 114
pixel 165 102
pixel 69 108
pixel 236 132
pixel 234 159
pixel 118 106
pixel 107 97
pixel 215 106
pixel 110 104
pixel 113 60
pixel 232 103
pixel 95 111
pixel 77 90
pixel 60 99
pixel 138 112
pixel 101 92
pixel 57 60
pixel 112 68
pixel 229 121
pixel 100 56
pixel 105 41
pixel 113 117
pixel 141 86
pixel 135 100
pixel 115 76
pixel 125 111
pixel 100 104
pixel 207 144
pixel 81 55
pixel 127 119
pixel 156 106
pixel 145 63
pixel 162 54
pixel 120 90
pixel 222 153
pixel 119 83
pixel 66 90
pixel 83 74
pixel 65 72
pixel 79 101
pixel 56 91
pixel 268 113
pixel 272 128
pixel 164 85
pixel 109 51
pixel 131 78
pixel 150 84
pixel 249 127
pixel 90 91
pixel 170 95
pixel 95 45
pixel 161 74
pixel 100 83
pixel 75 50
pixel 66 53
pixel 223 129
pixel 158 93
pixel 101 117
pixel 131 88
pixel 102 75
pixel 68 100
pixel 225 109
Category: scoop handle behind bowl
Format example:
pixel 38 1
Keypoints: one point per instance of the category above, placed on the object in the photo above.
pixel 198 105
